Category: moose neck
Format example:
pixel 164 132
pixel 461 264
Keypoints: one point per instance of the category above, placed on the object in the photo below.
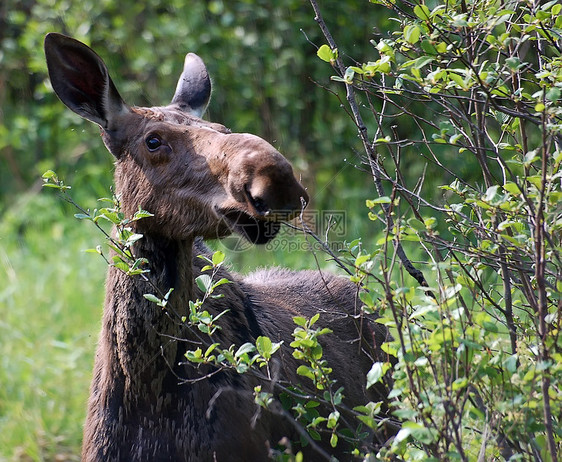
pixel 141 335
pixel 171 267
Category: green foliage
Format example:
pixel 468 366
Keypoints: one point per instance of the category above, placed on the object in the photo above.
pixel 122 241
pixel 478 375
pixel 308 348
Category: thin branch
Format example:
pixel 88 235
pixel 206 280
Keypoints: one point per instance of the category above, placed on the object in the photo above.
pixel 373 162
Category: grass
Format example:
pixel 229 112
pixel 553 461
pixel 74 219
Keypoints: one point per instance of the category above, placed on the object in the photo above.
pixel 51 296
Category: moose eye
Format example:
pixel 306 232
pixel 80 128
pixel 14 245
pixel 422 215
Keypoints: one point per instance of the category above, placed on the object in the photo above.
pixel 153 143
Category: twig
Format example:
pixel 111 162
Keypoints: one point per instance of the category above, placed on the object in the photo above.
pixel 373 162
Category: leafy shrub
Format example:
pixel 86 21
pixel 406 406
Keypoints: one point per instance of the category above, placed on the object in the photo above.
pixel 479 369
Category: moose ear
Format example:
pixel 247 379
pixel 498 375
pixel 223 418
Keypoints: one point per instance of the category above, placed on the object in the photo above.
pixel 81 80
pixel 193 91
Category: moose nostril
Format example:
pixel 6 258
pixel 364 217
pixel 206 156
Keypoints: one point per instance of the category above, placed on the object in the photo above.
pixel 261 206
pixel 258 203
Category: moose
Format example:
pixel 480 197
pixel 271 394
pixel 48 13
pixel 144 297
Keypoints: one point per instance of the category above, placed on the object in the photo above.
pixel 200 181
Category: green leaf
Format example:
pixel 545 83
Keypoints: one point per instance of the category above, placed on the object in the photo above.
pixel 422 61
pixel 246 348
pixel 404 414
pixel 299 321
pixel 194 356
pixel 412 33
pixel 220 282
pixel 510 363
pixel 305 371
pixel 314 319
pixel 333 419
pixel 137 264
pixel 325 53
pixel 453 139
pixel 553 94
pixel 218 258
pixel 264 346
pixel 512 188
pixel 429 47
pixel 384 48
pixel 536 180
pixel 134 238
pixel 204 282
pixel 423 310
pixel 211 348
pixel 383 65
pixel 361 259
pixel 491 193
pixel 513 63
pixel 368 298
pixel 370 203
pixel 378 369
pixel 460 383
pixel 325 330
pixel 152 298
pixel 416 224
pixel 141 214
pixel 417 431
pixel 349 75
pixel 112 217
pixel 459 20
pixel 121 265
pixel 422 12
pixel 457 79
pixel 49 175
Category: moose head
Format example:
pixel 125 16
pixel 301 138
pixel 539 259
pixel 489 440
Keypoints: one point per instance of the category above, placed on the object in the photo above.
pixel 196 177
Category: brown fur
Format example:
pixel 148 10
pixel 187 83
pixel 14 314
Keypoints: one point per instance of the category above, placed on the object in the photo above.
pixel 146 402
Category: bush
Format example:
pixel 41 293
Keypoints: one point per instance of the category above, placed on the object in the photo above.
pixel 466 83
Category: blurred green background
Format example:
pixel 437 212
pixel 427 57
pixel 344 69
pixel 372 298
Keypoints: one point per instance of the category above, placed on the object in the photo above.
pixel 267 80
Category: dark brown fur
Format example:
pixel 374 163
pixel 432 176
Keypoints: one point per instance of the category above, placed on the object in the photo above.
pixel 147 403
